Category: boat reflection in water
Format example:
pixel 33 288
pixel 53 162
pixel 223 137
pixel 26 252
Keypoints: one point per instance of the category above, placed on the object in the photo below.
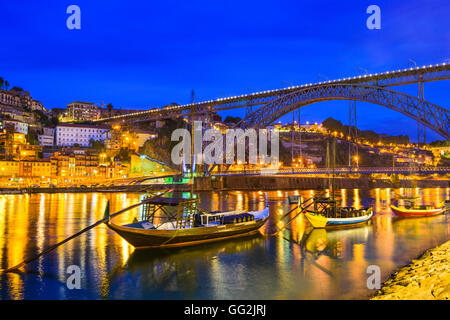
pixel 330 243
pixel 176 273
pixel 300 263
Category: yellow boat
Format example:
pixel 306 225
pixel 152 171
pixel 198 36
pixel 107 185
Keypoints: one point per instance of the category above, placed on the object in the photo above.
pixel 317 220
pixel 327 213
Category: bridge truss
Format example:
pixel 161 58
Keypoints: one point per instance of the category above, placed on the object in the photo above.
pixel 385 79
pixel 430 115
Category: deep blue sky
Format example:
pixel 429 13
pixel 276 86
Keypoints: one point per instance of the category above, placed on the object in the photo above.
pixel 138 54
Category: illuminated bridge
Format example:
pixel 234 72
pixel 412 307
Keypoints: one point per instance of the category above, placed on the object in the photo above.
pixel 273 104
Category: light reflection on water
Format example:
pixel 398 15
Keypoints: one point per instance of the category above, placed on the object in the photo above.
pixel 301 263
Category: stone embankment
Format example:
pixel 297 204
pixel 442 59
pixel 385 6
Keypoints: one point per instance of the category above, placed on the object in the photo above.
pixel 248 183
pixel 427 278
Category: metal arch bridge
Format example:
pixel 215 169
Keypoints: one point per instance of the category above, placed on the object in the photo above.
pixel 432 116
pixel 344 170
pixel 417 75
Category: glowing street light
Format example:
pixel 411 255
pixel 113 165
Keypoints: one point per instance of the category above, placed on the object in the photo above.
pixel 356 158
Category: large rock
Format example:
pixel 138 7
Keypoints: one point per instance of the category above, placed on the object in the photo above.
pixel 427 278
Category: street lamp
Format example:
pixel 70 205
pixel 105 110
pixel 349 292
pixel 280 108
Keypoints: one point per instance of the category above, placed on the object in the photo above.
pixel 356 160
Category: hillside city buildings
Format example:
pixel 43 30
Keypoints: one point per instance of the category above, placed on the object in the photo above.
pixel 62 145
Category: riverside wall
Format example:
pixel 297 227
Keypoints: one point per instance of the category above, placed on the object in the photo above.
pixel 248 183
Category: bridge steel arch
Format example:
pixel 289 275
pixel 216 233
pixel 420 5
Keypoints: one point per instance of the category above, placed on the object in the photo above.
pixel 431 115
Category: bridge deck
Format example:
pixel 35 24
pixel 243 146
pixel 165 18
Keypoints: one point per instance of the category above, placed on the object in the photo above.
pixel 383 79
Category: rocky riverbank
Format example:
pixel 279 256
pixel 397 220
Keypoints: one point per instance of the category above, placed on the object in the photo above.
pixel 427 278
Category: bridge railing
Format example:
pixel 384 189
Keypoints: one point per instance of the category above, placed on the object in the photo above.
pixel 347 170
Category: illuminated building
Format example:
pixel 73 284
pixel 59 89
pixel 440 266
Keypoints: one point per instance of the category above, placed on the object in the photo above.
pixel 47 138
pixel 9 168
pixel 81 111
pixel 75 162
pixel 68 135
pixel 15 146
pixel 133 140
pixel 17 126
pixel 35 168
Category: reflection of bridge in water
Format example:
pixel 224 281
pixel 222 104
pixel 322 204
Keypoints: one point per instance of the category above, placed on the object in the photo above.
pixel 345 170
pixel 300 171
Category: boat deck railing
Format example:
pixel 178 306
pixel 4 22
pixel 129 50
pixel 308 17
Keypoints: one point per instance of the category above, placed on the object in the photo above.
pixel 216 216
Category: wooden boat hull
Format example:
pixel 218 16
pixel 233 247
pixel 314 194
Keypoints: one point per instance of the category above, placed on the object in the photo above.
pixel 320 221
pixel 403 212
pixel 151 238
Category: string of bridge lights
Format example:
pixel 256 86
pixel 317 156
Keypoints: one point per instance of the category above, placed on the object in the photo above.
pixel 277 90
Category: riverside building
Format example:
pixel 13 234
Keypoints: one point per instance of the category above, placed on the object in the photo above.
pixel 68 135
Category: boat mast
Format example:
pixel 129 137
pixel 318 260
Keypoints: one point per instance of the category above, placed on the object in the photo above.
pixel 334 166
pixel 192 144
pixel 292 140
pixel 328 165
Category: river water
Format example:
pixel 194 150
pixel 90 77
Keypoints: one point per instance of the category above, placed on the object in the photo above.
pixel 300 263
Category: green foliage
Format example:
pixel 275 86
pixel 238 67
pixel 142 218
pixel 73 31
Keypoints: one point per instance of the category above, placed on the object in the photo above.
pixel 109 107
pixel 124 155
pixel 368 135
pixel 230 119
pixel 161 147
pixel 4 84
pixel 42 118
pixel 333 125
pixel 440 143
pixel 96 144
pixel 83 122
pixel 401 139
pixel 32 138
pixel 54 121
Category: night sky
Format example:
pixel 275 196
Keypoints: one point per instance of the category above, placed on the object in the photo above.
pixel 141 54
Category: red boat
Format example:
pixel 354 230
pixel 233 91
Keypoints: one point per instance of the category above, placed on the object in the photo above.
pixel 417 211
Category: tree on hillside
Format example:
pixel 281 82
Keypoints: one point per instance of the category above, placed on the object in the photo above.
pixel 440 143
pixel 369 135
pixel 32 138
pixel 18 89
pixel 333 125
pixel 54 121
pixel 230 119
pixel 4 84
pixel 109 107
pixel 96 144
pixel 401 139
pixel 124 155
pixel 42 118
